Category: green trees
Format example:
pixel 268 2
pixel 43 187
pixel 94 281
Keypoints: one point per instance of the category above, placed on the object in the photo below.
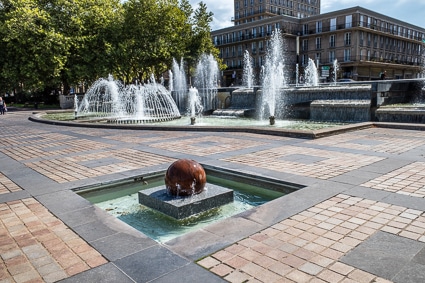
pixel 47 44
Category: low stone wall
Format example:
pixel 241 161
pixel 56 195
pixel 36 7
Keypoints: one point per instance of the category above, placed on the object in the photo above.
pixel 67 101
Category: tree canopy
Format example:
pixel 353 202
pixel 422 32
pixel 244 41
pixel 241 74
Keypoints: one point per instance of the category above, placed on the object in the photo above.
pixel 49 43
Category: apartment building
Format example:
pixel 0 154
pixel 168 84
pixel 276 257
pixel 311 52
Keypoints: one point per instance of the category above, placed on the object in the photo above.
pixel 252 10
pixel 364 43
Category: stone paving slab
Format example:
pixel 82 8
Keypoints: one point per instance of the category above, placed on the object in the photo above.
pixel 359 185
pixel 311 244
pixel 36 246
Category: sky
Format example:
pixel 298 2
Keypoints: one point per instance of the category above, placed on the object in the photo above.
pixel 410 11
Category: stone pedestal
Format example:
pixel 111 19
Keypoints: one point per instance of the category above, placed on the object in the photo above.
pixel 181 207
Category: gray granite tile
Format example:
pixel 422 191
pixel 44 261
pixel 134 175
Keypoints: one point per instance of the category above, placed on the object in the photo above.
pixel 151 263
pixel 191 273
pixel 120 245
pixel 411 273
pixel 107 273
pixel 62 202
pixel 383 254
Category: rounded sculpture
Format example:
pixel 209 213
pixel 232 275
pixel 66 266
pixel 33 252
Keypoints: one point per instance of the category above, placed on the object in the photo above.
pixel 185 177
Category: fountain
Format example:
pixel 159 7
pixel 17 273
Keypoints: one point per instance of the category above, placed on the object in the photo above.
pixel 248 75
pixel 206 81
pixel 136 103
pixel 184 193
pixel 335 69
pixel 311 75
pixel 195 105
pixel 178 85
pixel 273 78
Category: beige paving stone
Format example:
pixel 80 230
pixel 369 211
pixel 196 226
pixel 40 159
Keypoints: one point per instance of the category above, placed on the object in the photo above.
pixel 237 277
pixel 298 276
pixel 208 262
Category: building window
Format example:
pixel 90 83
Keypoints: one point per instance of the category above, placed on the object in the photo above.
pixel 348 21
pixel 347 55
pixel 305 45
pixel 318 43
pixel 318 27
pixel 333 24
pixel 332 40
pixel 261 46
pixel 305 29
pixel 347 38
pixel 331 56
pixel 254 48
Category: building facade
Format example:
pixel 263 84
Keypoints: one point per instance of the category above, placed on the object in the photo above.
pixel 252 10
pixel 363 42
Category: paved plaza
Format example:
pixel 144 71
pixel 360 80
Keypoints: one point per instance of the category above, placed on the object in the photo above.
pixel 360 216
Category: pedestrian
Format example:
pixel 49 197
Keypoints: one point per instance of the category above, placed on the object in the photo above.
pixel 2 106
pixel 383 75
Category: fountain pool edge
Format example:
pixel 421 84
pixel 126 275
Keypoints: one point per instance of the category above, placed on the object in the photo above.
pixel 313 134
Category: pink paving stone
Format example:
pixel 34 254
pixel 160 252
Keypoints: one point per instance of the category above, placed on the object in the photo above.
pixel 391 230
pixel 303 254
pixel 341 247
pixel 89 255
pixel 280 268
pixel 331 253
pixel 288 248
pixel 27 276
pixel 273 242
pixel 264 261
pixel 237 277
pixel 19 268
pixel 293 261
pixel 341 268
pixel 249 254
pixel 410 235
pixel 259 237
pixel 248 242
pixel 221 270
pixel 268 276
pixel 333 236
pixel 361 276
pixel 270 231
pixel 311 268
pixel 330 276
pixel 236 262
pixel 96 261
pixel 298 242
pixel 223 255
pixel 324 242
pixel 283 236
pixel 298 276
pixel 308 236
pixel 76 268
pixel 84 247
pixel 208 262
pixel 276 254
pixel 253 269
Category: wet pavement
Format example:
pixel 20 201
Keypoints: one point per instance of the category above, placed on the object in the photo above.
pixel 359 218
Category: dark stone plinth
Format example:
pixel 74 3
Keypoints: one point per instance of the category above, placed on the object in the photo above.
pixel 181 207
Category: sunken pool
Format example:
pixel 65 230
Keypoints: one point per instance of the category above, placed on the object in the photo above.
pixel 122 201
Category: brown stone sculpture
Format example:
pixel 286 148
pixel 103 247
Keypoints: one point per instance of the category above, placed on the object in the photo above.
pixel 185 177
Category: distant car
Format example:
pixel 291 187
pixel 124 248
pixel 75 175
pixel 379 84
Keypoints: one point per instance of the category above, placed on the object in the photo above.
pixel 346 80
